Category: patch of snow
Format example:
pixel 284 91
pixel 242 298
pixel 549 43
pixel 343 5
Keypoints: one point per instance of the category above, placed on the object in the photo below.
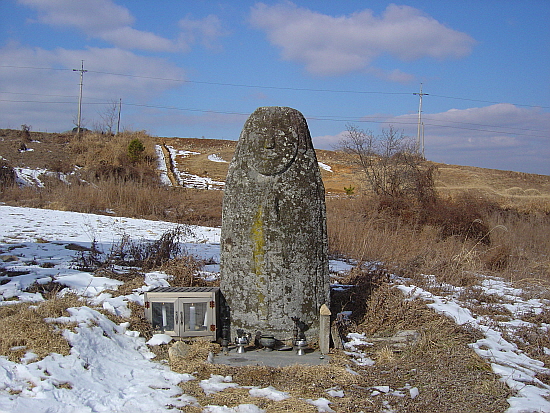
pixel 325 166
pixel 359 357
pixel 322 404
pixel 87 285
pixel 516 369
pixel 159 339
pixel 31 177
pixel 269 393
pixel 216 383
pixel 339 266
pixel 110 367
pixel 382 389
pixel 216 158
pixel 161 165
pixel 189 180
pixel 335 393
pixel 106 371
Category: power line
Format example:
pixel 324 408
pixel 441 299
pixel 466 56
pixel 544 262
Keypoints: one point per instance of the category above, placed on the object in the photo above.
pixel 482 124
pixel 320 117
pixel 330 118
pixel 49 95
pixel 253 86
pixel 275 87
pixel 489 101
pixel 34 67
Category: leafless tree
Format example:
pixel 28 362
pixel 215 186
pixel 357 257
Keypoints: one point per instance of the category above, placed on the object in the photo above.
pixel 109 118
pixel 390 163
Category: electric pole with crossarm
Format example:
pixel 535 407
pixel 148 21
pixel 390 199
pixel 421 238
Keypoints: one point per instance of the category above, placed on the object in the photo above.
pixel 420 131
pixel 82 71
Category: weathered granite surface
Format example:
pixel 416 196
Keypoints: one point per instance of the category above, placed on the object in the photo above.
pixel 274 262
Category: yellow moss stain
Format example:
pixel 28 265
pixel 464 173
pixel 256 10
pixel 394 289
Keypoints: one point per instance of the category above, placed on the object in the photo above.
pixel 258 255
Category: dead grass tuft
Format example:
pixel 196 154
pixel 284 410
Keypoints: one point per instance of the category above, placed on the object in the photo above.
pixel 23 329
pixel 184 271
pixel 385 355
pixel 387 313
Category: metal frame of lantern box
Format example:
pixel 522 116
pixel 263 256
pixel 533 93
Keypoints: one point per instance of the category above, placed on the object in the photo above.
pixel 185 311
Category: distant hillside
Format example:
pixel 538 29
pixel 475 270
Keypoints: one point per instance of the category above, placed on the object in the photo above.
pixel 210 160
pixel 340 172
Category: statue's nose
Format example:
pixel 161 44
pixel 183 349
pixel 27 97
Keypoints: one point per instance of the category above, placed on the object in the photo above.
pixel 269 142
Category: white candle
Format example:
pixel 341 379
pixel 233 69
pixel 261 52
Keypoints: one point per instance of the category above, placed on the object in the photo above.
pixel 192 318
pixel 163 316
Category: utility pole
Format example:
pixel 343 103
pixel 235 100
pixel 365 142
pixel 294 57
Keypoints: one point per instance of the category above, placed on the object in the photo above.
pixel 420 131
pixel 82 71
pixel 118 123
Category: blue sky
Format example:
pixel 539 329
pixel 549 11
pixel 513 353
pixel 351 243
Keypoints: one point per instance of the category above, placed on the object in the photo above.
pixel 198 68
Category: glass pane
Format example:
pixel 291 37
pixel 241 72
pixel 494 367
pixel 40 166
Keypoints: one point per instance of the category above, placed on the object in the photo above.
pixel 163 316
pixel 195 316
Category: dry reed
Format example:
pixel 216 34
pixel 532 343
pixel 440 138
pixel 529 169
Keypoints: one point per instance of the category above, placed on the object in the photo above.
pixel 506 243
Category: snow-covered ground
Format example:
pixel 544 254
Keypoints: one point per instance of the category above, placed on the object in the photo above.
pixel 110 368
pixel 189 180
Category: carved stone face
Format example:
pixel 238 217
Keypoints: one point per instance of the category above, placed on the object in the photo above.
pixel 273 143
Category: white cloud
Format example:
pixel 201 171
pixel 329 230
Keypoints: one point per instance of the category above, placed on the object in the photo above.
pixel 329 45
pixel 494 126
pixel 105 20
pixel 90 16
pixel 206 31
pixel 128 38
pixel 328 142
pixel 61 85
pixel 501 136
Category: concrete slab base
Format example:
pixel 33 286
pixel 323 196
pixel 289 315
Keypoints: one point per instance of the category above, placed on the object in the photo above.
pixel 274 358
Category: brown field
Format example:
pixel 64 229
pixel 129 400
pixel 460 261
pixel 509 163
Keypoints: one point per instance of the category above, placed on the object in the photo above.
pixel 484 221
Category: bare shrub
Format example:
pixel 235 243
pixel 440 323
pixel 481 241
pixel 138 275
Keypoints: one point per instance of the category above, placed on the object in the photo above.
pixel 184 271
pixel 144 254
pixel 7 174
pixel 166 248
pixel 25 133
pixel 390 164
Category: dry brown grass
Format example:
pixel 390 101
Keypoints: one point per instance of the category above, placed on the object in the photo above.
pixel 449 376
pixel 455 242
pixel 23 329
pixel 131 199
pixel 446 242
pixel 94 149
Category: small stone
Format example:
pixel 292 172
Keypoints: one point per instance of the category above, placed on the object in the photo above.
pixel 178 349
